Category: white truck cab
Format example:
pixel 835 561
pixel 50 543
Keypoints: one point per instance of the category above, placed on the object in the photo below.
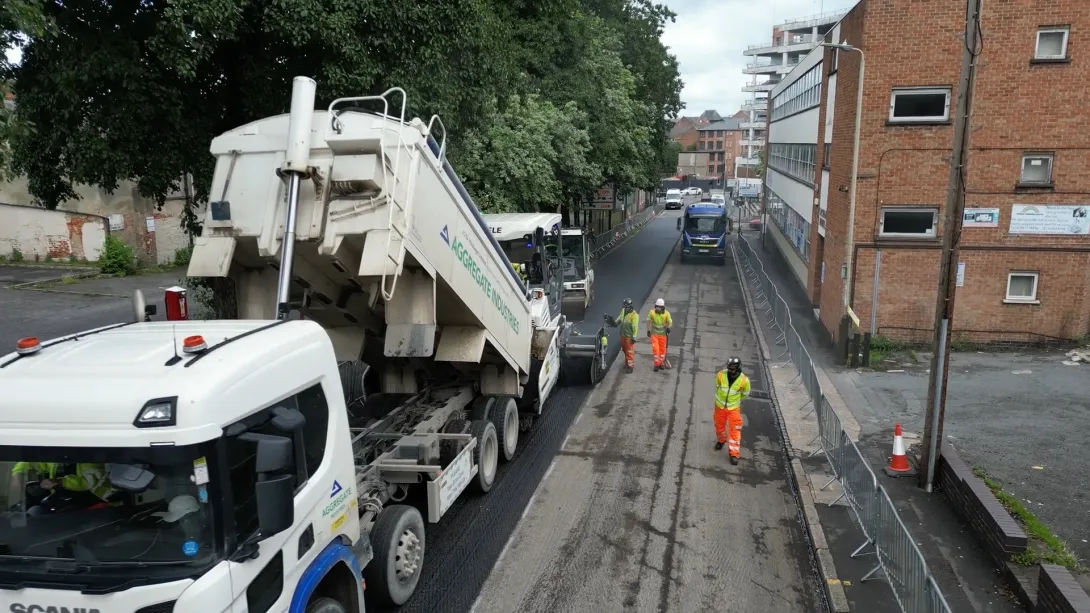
pixel 226 448
pixel 514 232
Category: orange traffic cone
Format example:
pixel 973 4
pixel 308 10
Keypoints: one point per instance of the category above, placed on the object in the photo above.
pixel 899 462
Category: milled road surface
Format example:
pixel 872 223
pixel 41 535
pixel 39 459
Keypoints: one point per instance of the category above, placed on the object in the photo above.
pixel 639 512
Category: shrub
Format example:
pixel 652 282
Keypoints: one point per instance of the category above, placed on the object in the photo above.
pixel 181 256
pixel 117 258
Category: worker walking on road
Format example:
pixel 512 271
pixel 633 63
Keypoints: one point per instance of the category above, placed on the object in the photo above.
pixel 731 387
pixel 659 323
pixel 629 323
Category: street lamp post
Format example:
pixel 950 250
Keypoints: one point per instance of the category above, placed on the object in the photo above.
pixel 849 278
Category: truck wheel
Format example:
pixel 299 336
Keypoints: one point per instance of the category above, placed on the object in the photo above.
pixel 486 454
pixel 449 448
pixel 481 407
pixel 326 605
pixel 397 541
pixel 505 417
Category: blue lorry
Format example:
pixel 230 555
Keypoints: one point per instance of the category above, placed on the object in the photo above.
pixel 705 226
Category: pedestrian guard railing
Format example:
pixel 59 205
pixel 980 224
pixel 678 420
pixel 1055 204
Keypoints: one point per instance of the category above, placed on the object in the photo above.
pixel 601 244
pixel 897 557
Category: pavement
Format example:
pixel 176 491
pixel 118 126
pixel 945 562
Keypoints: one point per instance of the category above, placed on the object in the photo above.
pixel 638 511
pixel 960 567
pixel 50 310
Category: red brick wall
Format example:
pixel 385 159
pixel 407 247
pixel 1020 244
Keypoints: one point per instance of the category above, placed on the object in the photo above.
pixel 903 165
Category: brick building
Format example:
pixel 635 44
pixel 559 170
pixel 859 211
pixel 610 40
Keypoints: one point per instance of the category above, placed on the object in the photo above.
pixel 1025 246
pixel 721 140
pixel 685 130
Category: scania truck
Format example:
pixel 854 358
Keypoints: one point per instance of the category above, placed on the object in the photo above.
pixel 384 347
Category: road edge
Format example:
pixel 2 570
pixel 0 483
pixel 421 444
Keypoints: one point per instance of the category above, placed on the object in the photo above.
pixel 834 590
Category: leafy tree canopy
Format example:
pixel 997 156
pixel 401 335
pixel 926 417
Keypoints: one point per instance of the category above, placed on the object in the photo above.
pixel 543 100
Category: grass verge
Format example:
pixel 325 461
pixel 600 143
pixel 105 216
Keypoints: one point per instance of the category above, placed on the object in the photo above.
pixel 1048 547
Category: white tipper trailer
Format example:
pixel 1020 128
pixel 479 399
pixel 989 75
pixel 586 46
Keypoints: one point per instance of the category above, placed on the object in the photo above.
pixel 385 348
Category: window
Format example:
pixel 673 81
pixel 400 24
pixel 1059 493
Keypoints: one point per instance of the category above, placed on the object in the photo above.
pixel 793 226
pixel 828 156
pixel 919 105
pixel 1036 169
pixel 796 161
pixel 1051 44
pixel 241 455
pixel 1022 287
pixel 909 222
pixel 803 94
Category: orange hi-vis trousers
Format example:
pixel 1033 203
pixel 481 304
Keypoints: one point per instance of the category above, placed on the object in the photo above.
pixel 628 346
pixel 729 422
pixel 658 348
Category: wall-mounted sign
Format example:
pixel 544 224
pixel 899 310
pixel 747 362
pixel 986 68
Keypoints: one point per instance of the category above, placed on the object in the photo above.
pixel 980 218
pixel 961 274
pixel 1050 219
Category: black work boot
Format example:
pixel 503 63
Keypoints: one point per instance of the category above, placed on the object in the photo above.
pixel 718 446
pixel 734 460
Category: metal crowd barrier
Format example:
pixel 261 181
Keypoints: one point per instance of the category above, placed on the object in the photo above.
pixel 897 556
pixel 600 244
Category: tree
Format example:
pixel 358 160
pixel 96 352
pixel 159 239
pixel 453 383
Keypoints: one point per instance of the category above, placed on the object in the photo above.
pixel 529 156
pixel 136 89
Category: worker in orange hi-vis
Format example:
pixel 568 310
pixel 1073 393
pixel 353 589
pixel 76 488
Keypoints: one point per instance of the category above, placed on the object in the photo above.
pixel 659 323
pixel 731 387
pixel 629 323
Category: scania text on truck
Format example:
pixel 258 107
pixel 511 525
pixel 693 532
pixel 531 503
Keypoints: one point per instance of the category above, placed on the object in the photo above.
pixel 384 344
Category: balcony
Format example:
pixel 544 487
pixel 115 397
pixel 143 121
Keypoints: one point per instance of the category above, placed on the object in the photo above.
pixel 752 142
pixel 757 104
pixel 810 21
pixel 744 161
pixel 794 42
pixel 759 123
pixel 767 68
pixel 767 86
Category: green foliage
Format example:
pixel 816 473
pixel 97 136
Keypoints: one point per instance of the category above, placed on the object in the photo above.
pixel 181 257
pixel 117 258
pixel 17 256
pixel 1048 548
pixel 135 91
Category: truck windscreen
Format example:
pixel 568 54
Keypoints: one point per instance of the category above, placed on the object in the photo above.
pixel 66 504
pixel 710 224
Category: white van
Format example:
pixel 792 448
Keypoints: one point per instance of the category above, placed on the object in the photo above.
pixel 673 199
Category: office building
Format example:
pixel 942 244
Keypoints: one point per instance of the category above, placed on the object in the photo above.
pixel 1024 271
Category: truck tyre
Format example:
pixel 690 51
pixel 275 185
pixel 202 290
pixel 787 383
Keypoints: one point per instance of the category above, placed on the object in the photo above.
pixel 449 448
pixel 397 541
pixel 486 454
pixel 505 417
pixel 481 407
pixel 325 605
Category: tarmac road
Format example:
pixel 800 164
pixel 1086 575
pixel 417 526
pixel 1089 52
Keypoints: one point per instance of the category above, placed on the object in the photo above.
pixel 638 512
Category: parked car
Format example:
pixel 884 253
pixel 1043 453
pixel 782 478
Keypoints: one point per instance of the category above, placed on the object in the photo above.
pixel 694 191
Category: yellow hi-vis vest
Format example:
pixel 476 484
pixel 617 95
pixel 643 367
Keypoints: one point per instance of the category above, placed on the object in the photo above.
pixel 657 323
pixel 88 477
pixel 629 324
pixel 729 396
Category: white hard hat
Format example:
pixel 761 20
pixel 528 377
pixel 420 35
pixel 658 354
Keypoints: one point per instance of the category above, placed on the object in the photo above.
pixel 660 302
pixel 179 507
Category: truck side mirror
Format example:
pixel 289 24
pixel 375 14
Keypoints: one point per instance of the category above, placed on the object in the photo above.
pixel 679 224
pixel 274 490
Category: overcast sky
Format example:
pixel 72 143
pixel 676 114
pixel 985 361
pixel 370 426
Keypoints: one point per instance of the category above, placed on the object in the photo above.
pixel 709 36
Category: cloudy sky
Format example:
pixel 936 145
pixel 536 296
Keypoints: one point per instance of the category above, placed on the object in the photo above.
pixel 708 38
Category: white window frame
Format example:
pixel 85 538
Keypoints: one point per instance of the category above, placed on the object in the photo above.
pixel 907 209
pixel 1047 157
pixel 1032 299
pixel 921 91
pixel 1063 48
